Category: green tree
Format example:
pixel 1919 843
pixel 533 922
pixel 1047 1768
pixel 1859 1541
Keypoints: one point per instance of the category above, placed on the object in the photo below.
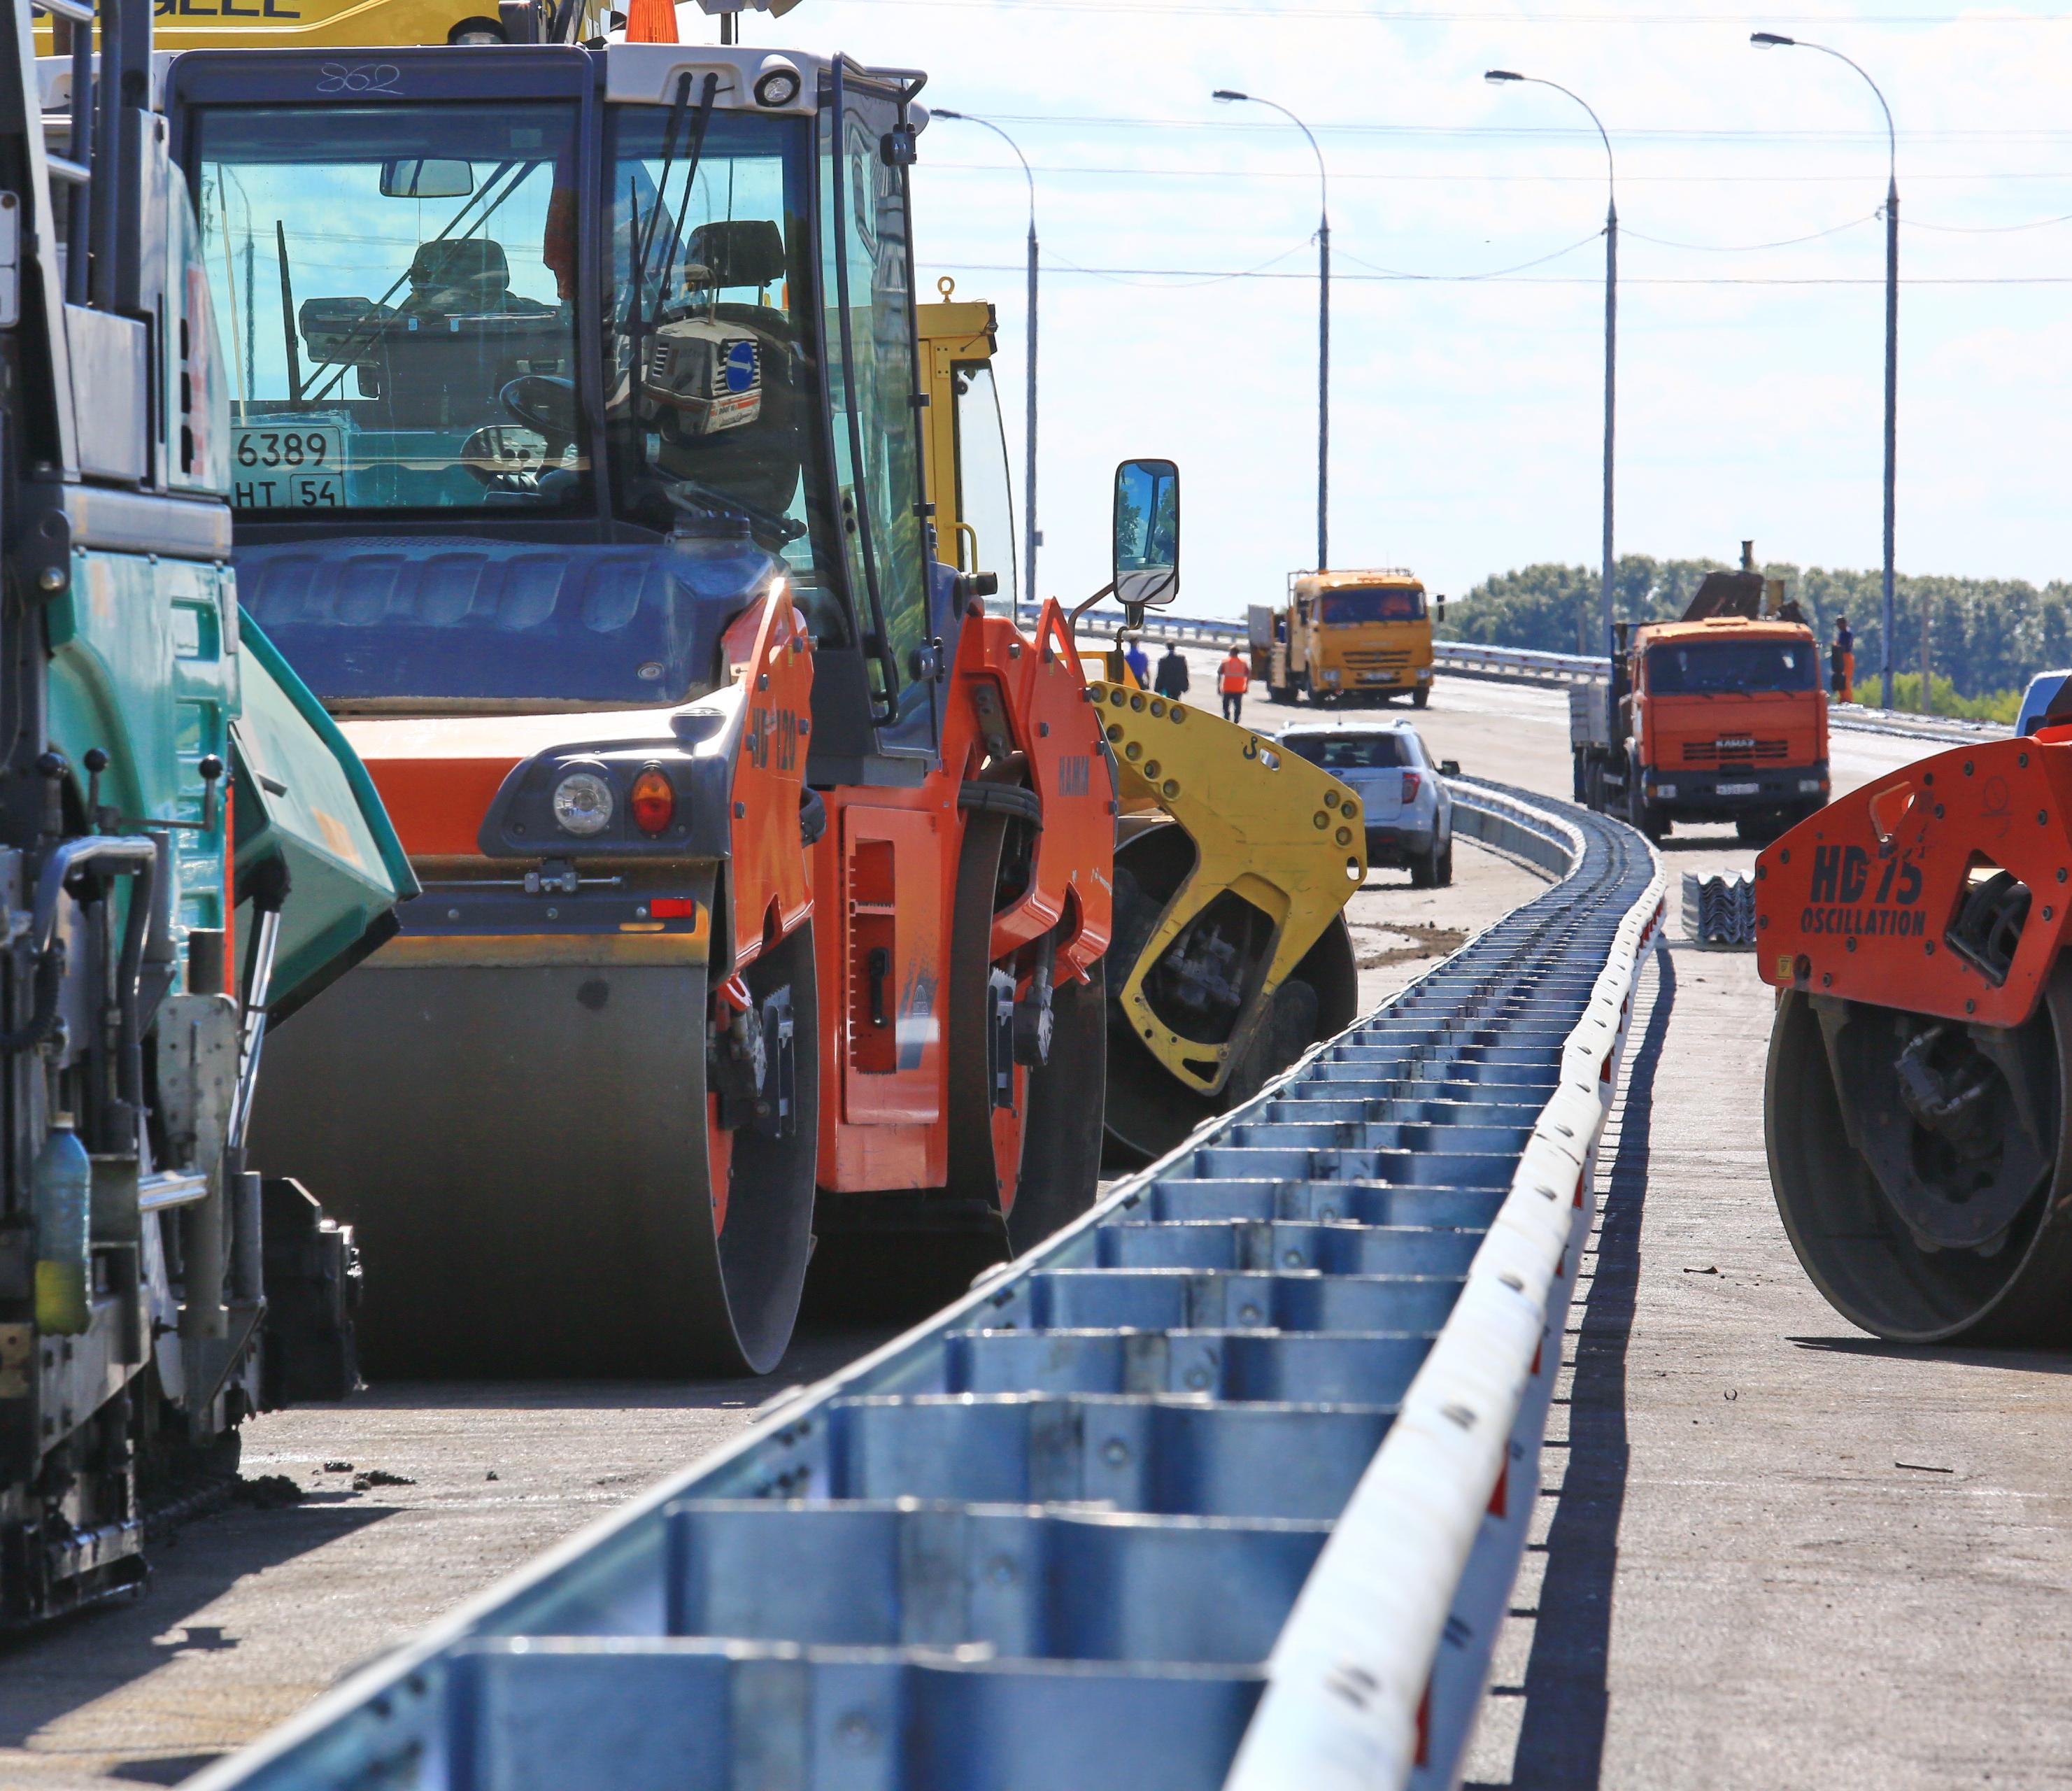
pixel 1987 636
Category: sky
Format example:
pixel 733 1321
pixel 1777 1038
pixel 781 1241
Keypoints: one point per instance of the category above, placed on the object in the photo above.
pixel 1467 411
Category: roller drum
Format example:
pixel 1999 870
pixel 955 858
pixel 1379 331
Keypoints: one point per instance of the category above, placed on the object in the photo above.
pixel 1921 1167
pixel 529 1157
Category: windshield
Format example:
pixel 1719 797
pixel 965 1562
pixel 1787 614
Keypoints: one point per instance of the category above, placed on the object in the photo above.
pixel 713 409
pixel 1337 608
pixel 1729 668
pixel 1349 751
pixel 397 292
pixel 985 505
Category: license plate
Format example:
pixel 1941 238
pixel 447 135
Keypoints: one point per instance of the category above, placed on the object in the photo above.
pixel 288 466
pixel 1739 789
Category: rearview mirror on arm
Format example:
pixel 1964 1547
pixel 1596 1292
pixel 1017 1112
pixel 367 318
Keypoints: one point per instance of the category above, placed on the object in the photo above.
pixel 1147 533
pixel 424 177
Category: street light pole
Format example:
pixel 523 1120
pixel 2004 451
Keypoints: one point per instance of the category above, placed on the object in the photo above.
pixel 1032 536
pixel 1608 575
pixel 1226 95
pixel 1770 40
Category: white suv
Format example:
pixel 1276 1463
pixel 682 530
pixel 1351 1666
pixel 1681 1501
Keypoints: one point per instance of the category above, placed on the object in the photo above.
pixel 1409 810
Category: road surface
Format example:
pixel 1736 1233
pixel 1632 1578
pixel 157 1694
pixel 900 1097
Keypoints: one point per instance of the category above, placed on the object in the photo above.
pixel 1779 1554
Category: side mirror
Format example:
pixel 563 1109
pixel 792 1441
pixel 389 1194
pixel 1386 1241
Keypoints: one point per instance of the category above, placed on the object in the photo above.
pixel 1439 609
pixel 421 177
pixel 1146 559
pixel 1449 767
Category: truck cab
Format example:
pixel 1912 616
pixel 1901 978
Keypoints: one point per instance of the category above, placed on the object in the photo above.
pixel 1354 636
pixel 1720 719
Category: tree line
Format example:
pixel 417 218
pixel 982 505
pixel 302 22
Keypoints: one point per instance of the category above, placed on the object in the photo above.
pixel 1986 637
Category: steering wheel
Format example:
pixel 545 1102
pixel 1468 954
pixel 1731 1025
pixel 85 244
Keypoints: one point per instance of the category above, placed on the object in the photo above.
pixel 547 403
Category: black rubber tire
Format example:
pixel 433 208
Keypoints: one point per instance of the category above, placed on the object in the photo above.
pixel 1425 869
pixel 1421 697
pixel 1442 876
pixel 1854 1247
pixel 525 1155
pixel 1061 1151
pixel 1149 1112
pixel 974 1171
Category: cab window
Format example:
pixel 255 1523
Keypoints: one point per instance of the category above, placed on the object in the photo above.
pixel 1341 608
pixel 400 334
pixel 1350 752
pixel 712 414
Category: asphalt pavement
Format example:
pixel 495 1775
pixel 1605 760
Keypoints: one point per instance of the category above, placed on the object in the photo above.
pixel 1771 1552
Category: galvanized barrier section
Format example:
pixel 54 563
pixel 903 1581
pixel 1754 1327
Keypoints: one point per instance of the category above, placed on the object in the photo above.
pixel 1052 1539
pixel 1515 664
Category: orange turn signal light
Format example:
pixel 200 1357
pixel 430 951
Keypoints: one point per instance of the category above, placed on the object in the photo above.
pixel 653 801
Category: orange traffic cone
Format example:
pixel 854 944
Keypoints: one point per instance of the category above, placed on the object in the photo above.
pixel 652 22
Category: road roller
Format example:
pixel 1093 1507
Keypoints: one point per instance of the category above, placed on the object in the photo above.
pixel 1234 860
pixel 1915 1102
pixel 578 426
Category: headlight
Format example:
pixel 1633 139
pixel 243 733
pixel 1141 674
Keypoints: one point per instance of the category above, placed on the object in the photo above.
pixel 1333 676
pixel 1811 786
pixel 582 803
pixel 1424 672
pixel 778 83
pixel 1663 789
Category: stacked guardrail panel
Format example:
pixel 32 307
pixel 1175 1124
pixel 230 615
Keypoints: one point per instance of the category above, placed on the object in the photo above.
pixel 1052 1540
pixel 1719 908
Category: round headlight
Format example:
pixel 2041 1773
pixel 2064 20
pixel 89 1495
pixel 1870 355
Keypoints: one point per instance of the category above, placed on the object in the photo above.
pixel 777 85
pixel 582 803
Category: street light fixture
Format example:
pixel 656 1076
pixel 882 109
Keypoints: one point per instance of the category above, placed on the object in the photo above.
pixel 1032 536
pixel 1772 40
pixel 1501 77
pixel 1225 95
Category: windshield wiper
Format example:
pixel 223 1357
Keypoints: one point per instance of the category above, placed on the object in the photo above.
pixel 518 172
pixel 633 325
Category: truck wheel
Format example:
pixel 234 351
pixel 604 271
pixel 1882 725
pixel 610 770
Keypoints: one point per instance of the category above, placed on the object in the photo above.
pixel 1424 870
pixel 1442 874
pixel 1593 789
pixel 1421 697
pixel 1758 829
pixel 1642 813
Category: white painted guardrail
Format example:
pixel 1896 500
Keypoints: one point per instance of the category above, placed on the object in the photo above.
pixel 1378 1676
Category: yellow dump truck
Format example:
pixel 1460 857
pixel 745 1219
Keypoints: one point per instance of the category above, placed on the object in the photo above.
pixel 1355 636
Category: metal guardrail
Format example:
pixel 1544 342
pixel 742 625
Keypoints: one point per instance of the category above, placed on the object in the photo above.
pixel 1218 631
pixel 1237 1468
pixel 1520 665
pixel 1515 664
pixel 1952 730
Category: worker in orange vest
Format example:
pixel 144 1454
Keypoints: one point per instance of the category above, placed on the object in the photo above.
pixel 1842 661
pixel 1234 679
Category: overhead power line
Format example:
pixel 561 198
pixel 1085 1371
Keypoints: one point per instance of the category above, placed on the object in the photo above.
pixel 1513 132
pixel 1066 169
pixel 1210 275
pixel 1181 9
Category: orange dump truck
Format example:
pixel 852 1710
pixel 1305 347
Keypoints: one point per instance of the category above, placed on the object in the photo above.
pixel 1717 717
